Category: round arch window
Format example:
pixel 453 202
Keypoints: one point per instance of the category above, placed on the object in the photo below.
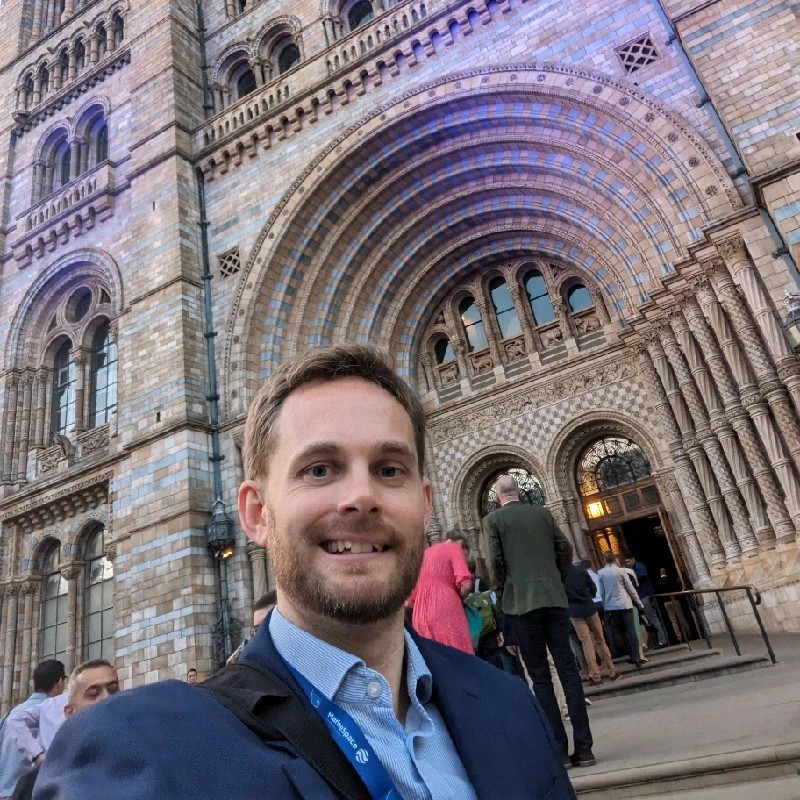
pixel 530 489
pixel 611 462
pixel 578 298
pixel 361 13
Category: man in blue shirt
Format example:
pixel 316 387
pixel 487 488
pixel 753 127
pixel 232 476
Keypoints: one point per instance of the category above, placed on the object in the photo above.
pixel 332 697
pixel 646 593
pixel 20 748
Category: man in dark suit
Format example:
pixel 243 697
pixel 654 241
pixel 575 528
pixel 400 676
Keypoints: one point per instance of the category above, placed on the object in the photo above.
pixel 530 553
pixel 332 698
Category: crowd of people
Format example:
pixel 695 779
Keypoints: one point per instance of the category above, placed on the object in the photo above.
pixel 360 679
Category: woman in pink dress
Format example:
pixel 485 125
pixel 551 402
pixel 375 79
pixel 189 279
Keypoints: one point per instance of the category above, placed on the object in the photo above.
pixel 438 611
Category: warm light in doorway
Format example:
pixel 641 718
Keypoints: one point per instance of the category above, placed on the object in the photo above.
pixel 595 510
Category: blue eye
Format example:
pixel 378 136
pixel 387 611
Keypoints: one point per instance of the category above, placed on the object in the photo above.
pixel 318 471
pixel 389 472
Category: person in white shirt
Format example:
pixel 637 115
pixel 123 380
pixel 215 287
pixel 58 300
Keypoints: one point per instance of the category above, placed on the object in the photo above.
pixel 20 746
pixel 619 597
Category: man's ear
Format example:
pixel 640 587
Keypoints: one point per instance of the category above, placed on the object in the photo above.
pixel 69 710
pixel 253 511
pixel 426 488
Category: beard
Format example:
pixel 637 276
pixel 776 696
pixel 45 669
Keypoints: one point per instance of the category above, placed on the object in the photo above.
pixel 321 593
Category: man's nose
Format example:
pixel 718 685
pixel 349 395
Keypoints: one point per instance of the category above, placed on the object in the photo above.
pixel 359 493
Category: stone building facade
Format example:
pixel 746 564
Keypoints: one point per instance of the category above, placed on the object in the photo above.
pixel 572 225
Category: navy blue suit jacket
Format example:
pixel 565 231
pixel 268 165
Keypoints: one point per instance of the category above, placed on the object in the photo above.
pixel 172 740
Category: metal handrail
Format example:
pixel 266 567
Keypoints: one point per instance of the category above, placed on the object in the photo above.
pixel 753 595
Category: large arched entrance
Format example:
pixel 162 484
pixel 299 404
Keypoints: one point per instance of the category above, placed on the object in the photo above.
pixel 623 507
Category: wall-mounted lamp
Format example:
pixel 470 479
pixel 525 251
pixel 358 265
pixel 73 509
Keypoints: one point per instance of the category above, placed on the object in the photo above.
pixel 595 510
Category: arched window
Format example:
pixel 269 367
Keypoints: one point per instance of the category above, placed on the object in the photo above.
pixel 242 6
pixel 63 390
pixel 62 166
pixel 288 57
pixel 103 376
pixel 530 489
pixel 119 28
pixel 443 350
pixel 98 600
pixel 541 305
pixel 53 617
pixel 361 13
pixel 63 65
pixel 44 80
pixel 101 143
pixel 80 55
pixel 473 324
pixel 102 43
pixel 504 310
pixel 578 298
pixel 27 91
pixel 245 83
pixel 611 462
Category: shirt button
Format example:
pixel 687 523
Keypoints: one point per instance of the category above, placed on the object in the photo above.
pixel 374 689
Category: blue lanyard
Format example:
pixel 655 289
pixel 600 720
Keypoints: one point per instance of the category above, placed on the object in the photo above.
pixel 351 740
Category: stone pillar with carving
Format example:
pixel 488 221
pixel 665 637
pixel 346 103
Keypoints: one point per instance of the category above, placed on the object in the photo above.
pixel 258 568
pixel 770 387
pixel 599 305
pixel 427 371
pixel 25 427
pixel 459 348
pixel 435 532
pixel 230 9
pixel 524 314
pixel 29 590
pixel 93 48
pixel 79 358
pixel 39 409
pixel 110 38
pixel 69 9
pixel 10 646
pixel 721 475
pixel 734 252
pixel 72 64
pixel 71 572
pixel 560 308
pixel 490 325
pixel 742 425
pixel 691 469
pixel 12 398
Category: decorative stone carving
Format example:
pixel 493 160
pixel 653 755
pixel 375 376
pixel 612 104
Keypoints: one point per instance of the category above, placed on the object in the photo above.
pixel 448 373
pixel 481 362
pixel 587 324
pixel 551 337
pixel 515 348
pixel 92 440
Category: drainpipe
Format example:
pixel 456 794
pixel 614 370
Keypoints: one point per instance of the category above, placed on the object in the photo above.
pixel 739 168
pixel 219 529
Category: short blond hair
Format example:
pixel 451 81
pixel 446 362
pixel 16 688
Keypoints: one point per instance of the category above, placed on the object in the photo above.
pixel 322 364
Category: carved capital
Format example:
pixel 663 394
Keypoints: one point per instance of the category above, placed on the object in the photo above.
pixel 425 361
pixel 712 266
pixel 458 345
pixel 667 483
pixel 71 570
pixel 31 586
pixel 732 248
pixel 110 551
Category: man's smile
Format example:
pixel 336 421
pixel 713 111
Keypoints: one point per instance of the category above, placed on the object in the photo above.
pixel 347 546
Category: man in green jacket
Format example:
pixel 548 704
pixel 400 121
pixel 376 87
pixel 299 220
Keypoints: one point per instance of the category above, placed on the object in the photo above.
pixel 529 552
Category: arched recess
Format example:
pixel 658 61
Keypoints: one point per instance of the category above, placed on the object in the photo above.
pixel 542 160
pixel 29 327
pixel 466 490
pixel 575 435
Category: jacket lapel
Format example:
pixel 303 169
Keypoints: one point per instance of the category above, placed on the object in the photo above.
pixel 465 711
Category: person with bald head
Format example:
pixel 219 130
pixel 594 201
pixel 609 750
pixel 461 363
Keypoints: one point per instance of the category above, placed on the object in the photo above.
pixel 530 554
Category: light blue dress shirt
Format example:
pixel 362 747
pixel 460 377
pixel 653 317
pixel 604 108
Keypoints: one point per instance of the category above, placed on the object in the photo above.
pixel 420 758
pixel 14 758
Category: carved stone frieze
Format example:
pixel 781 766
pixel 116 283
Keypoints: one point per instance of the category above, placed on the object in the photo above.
pixel 481 362
pixel 530 400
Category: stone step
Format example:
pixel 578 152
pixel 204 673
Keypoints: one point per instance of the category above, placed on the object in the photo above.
pixel 665 651
pixel 709 665
pixel 766 772
pixel 657 662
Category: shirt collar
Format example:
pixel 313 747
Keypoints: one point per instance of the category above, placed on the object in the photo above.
pixel 326 666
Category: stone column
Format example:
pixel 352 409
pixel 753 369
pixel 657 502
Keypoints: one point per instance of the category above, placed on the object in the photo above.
pixel 670 491
pixel 37 89
pixel 25 428
pixel 40 405
pixel 93 49
pixel 12 394
pixel 783 528
pixel 29 589
pixel 74 159
pixel 769 385
pixel 110 38
pixel 691 470
pixel 723 431
pixel 427 371
pixel 599 305
pixel 9 648
pixel 524 314
pixel 36 27
pixel 79 358
pixel 258 568
pixel 459 348
pixel 563 318
pixel 72 64
pixel 490 326
pixel 734 253
pixel 71 573
pixel 721 475
pixel 69 8
pixel 230 9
